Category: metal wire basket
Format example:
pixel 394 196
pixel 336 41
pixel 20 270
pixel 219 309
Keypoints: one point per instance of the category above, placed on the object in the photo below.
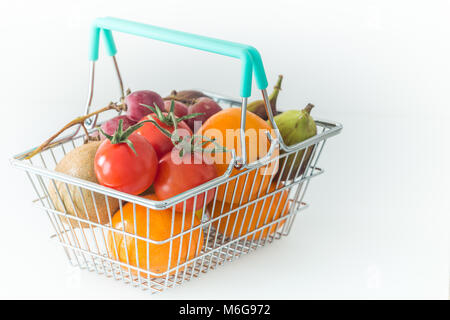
pixel 225 232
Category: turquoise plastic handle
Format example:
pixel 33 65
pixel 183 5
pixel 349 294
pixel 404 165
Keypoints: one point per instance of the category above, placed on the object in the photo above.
pixel 250 57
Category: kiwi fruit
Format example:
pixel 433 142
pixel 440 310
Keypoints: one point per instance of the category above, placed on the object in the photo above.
pixel 79 163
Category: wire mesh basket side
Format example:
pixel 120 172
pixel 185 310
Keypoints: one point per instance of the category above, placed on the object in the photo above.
pixel 228 231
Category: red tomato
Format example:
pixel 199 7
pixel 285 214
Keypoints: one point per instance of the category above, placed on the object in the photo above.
pixel 178 174
pixel 118 167
pixel 160 142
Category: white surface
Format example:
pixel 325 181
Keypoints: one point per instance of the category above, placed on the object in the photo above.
pixel 378 222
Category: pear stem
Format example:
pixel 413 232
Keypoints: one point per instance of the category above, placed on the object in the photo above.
pixel 308 108
pixel 274 95
pixel 278 84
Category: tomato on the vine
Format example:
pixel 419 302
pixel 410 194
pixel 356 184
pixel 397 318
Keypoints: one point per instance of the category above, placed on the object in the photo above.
pixel 167 121
pixel 179 173
pixel 160 142
pixel 126 161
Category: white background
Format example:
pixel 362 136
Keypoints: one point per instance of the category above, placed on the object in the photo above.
pixel 378 222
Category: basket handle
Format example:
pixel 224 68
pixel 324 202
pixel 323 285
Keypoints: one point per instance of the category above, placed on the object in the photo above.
pixel 250 57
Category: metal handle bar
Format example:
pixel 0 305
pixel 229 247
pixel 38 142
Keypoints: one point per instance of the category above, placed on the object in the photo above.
pixel 250 57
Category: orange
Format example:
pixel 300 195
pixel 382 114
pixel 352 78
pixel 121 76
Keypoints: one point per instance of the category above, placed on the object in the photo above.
pixel 251 217
pixel 224 128
pixel 133 251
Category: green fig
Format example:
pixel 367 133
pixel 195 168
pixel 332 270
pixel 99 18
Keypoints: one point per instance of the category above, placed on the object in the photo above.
pixel 295 126
pixel 258 108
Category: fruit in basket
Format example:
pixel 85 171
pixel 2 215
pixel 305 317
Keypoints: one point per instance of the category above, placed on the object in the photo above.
pixel 150 190
pixel 112 124
pixel 179 173
pixel 199 214
pixel 295 126
pixel 224 127
pixel 186 96
pixel 92 206
pixel 126 161
pixel 159 225
pixel 258 107
pixel 158 122
pixel 252 217
pixel 180 109
pixel 135 101
pixel 207 107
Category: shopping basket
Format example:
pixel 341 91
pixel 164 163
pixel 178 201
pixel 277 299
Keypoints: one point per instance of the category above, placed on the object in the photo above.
pixel 193 250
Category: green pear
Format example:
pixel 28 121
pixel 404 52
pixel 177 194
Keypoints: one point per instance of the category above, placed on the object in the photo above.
pixel 295 126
